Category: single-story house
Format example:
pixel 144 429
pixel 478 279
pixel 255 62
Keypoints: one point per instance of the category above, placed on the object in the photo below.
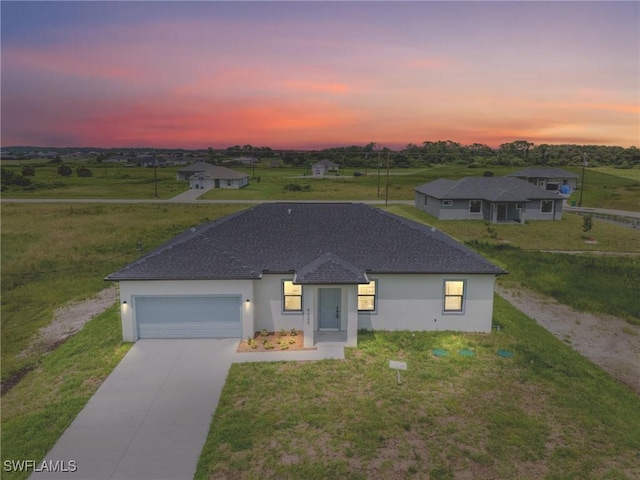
pixel 547 178
pixel 219 177
pixel 325 269
pixel 493 199
pixel 324 166
pixel 190 170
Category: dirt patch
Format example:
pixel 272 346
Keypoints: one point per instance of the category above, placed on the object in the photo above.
pixel 274 342
pixel 69 320
pixel 606 340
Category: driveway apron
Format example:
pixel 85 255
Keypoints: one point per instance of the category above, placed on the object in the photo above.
pixel 151 416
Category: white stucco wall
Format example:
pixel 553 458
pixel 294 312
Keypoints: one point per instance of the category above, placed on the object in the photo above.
pixel 404 302
pixel 130 289
pixel 415 302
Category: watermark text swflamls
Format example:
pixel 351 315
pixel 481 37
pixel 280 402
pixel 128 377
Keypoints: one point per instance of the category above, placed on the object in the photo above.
pixel 63 466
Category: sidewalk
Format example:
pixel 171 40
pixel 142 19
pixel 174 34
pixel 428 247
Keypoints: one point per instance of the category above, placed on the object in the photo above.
pixel 602 211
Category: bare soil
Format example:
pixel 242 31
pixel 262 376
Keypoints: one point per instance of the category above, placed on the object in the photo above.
pixel 606 340
pixel 275 339
pixel 69 320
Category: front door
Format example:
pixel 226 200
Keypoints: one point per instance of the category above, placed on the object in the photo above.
pixel 502 212
pixel 217 183
pixel 329 308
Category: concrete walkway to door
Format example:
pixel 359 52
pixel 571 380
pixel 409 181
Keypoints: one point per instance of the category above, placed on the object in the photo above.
pixel 151 416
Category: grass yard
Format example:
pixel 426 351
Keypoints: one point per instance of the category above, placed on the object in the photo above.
pixel 617 189
pixel 53 254
pixel 545 413
pixel 562 235
pixel 112 181
pixel 590 283
pixel 37 410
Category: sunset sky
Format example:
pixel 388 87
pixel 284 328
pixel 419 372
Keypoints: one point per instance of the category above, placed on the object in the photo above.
pixel 318 74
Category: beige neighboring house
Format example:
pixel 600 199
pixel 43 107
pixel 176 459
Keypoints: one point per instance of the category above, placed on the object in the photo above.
pixel 324 166
pixel 203 175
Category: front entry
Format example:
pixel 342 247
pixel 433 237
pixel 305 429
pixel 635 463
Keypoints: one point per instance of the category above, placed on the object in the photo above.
pixel 502 212
pixel 329 308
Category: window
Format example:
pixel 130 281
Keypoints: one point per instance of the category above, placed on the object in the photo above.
pixel 453 295
pixel 447 203
pixel 475 206
pixel 292 297
pixel 519 206
pixel 367 297
pixel 425 200
pixel 228 183
pixel 546 206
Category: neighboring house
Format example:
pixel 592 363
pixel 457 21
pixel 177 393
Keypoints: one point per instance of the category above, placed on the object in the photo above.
pixel 547 178
pixel 324 166
pixel 246 160
pixel 326 269
pixel 219 177
pixel 190 170
pixel 493 199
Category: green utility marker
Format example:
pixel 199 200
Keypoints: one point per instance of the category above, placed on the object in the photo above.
pixel 505 353
pixel 440 352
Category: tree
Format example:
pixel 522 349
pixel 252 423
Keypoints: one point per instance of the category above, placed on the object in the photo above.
pixel 83 171
pixel 28 171
pixel 587 223
pixel 65 170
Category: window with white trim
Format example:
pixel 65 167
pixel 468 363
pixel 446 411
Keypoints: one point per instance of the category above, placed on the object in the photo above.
pixel 546 206
pixel 291 296
pixel 367 296
pixel 454 291
pixel 475 206
pixel 447 203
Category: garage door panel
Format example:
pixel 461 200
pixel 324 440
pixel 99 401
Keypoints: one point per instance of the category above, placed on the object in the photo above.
pixel 188 317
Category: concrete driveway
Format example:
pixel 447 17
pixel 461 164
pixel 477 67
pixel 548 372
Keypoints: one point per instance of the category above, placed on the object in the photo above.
pixel 151 416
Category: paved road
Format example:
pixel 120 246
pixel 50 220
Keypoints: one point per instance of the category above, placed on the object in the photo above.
pixel 191 196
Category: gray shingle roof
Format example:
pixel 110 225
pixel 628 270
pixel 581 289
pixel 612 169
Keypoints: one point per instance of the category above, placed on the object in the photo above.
pixel 329 268
pixel 213 171
pixel 492 189
pixel 293 238
pixel 542 172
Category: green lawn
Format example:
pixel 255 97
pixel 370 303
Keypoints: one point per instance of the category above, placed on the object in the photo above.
pixel 45 402
pixel 53 254
pixel 545 413
pixel 108 181
pixel 612 188
pixel 603 284
pixel 562 235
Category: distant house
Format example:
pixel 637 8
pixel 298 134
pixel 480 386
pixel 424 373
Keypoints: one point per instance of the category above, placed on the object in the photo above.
pixel 324 166
pixel 190 170
pixel 218 177
pixel 493 199
pixel 147 161
pixel 547 178
pixel 327 270
pixel 244 161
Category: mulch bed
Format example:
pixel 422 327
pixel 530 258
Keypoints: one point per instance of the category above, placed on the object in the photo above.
pixel 291 343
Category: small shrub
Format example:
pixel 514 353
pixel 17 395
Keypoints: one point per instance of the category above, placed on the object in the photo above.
pixel 269 346
pixel 65 170
pixel 293 332
pixel 83 171
pixel 587 223
pixel 283 332
pixel 28 171
pixel 264 333
pixel 292 340
pixel 488 173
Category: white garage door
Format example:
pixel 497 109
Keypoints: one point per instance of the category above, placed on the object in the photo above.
pixel 188 317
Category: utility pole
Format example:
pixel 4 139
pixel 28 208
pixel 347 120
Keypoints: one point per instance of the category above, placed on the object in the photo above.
pixel 155 175
pixel 386 197
pixel 379 174
pixel 584 164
